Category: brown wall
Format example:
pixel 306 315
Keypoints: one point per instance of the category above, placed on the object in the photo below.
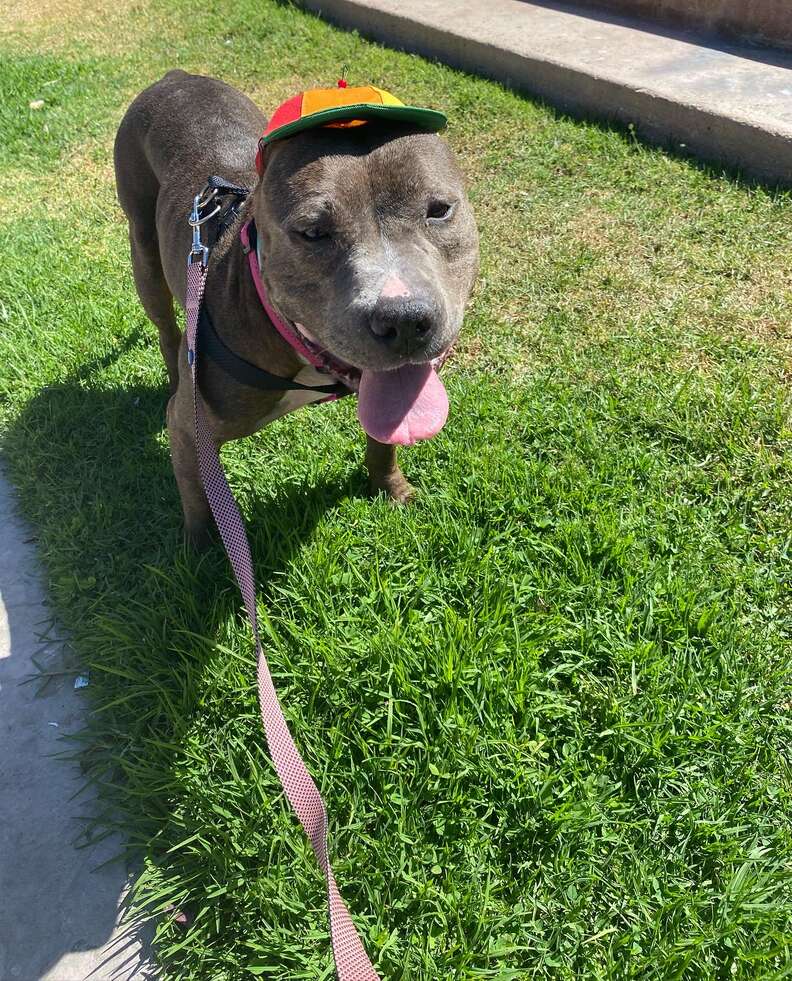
pixel 766 22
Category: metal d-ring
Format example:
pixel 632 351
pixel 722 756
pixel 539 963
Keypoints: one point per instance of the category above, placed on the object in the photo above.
pixel 196 220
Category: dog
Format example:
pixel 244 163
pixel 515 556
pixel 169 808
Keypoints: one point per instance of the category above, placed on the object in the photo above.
pixel 368 244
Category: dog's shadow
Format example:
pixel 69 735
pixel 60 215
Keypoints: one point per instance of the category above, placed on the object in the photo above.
pixel 92 470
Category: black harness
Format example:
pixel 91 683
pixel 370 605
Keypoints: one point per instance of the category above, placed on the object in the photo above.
pixel 222 204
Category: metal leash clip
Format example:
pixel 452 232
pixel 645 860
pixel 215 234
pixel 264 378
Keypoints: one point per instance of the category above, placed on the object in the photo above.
pixel 199 251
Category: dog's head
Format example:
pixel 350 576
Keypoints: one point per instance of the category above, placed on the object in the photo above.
pixel 368 240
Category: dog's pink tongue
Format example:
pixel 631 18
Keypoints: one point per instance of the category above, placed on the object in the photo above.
pixel 402 406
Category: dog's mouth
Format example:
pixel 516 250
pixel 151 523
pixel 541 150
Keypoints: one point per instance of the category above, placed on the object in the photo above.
pixel 400 406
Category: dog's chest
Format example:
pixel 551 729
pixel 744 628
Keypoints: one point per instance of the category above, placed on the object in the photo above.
pixel 296 399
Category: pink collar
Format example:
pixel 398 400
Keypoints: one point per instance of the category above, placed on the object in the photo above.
pixel 312 353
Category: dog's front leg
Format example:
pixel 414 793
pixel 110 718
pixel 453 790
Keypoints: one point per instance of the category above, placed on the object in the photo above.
pixel 385 473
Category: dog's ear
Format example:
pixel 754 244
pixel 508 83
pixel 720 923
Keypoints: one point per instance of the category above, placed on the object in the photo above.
pixel 261 158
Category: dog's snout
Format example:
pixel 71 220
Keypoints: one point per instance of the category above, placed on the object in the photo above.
pixel 404 324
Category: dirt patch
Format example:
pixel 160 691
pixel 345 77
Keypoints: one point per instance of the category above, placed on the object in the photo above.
pixel 111 27
pixel 35 15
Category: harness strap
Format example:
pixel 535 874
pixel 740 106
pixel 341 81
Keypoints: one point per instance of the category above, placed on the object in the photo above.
pixel 351 961
pixel 245 372
pixel 226 187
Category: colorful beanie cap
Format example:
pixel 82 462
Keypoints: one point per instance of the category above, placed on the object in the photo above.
pixel 342 107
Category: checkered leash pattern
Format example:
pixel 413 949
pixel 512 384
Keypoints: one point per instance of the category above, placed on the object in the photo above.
pixel 352 962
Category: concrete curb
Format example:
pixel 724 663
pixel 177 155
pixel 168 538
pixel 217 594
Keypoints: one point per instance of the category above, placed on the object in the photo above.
pixel 727 104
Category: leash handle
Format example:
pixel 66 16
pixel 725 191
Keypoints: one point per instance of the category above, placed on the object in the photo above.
pixel 351 961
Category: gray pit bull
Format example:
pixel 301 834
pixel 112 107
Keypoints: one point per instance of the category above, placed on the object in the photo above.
pixel 369 249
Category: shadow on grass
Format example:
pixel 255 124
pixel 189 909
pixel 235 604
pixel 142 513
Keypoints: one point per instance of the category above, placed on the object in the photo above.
pixel 93 474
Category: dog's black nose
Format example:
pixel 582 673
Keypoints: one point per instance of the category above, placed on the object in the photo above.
pixel 405 324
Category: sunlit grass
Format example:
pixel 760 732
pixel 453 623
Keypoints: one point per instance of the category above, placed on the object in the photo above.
pixel 549 706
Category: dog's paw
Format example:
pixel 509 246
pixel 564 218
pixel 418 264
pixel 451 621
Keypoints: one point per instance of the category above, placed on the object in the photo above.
pixel 397 489
pixel 201 537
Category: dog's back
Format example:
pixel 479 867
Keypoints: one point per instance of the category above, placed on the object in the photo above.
pixel 179 130
pixel 174 134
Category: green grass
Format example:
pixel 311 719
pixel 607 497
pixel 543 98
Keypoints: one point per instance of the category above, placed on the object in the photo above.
pixel 548 706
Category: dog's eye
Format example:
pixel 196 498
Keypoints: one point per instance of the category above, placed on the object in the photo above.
pixel 439 211
pixel 312 234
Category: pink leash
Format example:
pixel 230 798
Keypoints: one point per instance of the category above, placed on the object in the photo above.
pixel 351 961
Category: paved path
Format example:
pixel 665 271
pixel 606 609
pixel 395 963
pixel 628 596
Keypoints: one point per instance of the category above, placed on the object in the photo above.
pixel 724 102
pixel 58 917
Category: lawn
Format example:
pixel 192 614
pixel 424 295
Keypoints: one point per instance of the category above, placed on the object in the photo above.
pixel 549 705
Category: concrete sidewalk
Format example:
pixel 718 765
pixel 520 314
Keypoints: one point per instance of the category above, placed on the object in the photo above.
pixel 726 103
pixel 58 911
